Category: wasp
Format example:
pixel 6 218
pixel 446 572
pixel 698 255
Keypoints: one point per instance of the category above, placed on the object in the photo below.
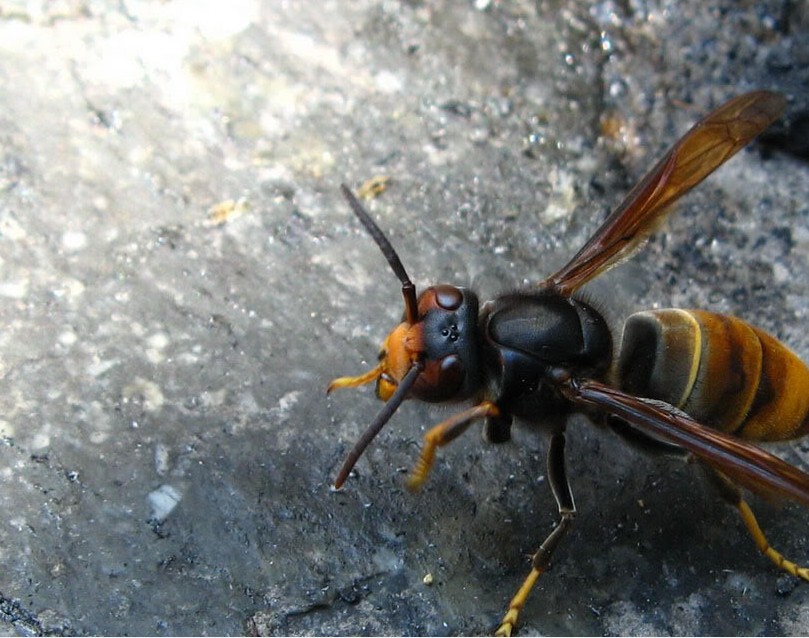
pixel 703 384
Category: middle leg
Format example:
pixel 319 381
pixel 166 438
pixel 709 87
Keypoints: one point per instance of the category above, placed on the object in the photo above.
pixel 560 486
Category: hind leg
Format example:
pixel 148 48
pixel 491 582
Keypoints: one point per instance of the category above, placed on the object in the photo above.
pixel 731 493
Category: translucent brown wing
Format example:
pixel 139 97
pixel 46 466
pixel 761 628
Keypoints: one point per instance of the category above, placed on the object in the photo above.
pixel 710 143
pixel 742 462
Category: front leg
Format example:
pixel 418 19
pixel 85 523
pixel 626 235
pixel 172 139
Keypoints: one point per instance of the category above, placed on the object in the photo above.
pixel 441 434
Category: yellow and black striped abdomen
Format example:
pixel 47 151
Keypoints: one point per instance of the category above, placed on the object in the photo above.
pixel 718 369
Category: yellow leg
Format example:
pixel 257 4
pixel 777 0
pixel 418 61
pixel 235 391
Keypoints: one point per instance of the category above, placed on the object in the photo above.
pixel 764 547
pixel 729 491
pixel 353 382
pixel 517 603
pixel 557 477
pixel 441 434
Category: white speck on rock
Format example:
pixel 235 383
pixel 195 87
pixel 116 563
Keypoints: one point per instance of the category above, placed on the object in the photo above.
pixel 285 403
pixel 148 391
pixel 68 337
pixel 13 289
pixel 100 366
pixel 6 429
pixel 161 459
pixel 158 340
pixel 74 240
pixel 163 500
pixel 40 441
pixel 157 344
pixel 388 82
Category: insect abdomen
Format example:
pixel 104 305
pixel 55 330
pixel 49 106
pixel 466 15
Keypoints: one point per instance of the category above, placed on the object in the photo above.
pixel 718 369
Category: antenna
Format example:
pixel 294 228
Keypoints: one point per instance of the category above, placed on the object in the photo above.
pixel 408 289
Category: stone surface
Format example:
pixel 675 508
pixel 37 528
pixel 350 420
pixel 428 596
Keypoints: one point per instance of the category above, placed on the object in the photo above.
pixel 180 279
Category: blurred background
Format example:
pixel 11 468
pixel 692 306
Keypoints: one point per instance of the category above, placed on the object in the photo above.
pixel 180 279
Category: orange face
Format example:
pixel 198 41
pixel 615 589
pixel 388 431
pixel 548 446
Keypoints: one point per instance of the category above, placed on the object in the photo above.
pixel 400 351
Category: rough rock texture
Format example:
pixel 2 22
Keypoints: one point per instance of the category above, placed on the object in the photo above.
pixel 180 279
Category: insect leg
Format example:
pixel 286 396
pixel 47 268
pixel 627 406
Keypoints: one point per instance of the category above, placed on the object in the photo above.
pixel 497 429
pixel 731 493
pixel 557 477
pixel 441 434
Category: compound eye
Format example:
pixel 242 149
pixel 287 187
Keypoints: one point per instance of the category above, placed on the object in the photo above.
pixel 448 297
pixel 441 380
pixel 451 372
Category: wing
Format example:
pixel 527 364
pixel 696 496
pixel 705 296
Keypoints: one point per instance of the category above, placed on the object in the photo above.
pixel 710 143
pixel 742 462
